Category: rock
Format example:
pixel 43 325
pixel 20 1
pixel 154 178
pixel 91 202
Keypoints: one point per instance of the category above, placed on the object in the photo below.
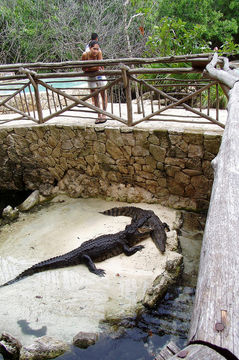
pixel 172 241
pixel 174 187
pixel 9 213
pixel 192 221
pixel 9 346
pixel 157 152
pixel 160 285
pixel 30 202
pixel 201 185
pixel 212 144
pixel 114 150
pixel 195 151
pixel 85 339
pixel 43 348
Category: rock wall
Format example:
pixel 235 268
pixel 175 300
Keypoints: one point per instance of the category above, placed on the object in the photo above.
pixel 126 164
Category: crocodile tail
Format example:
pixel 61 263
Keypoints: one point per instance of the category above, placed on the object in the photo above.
pixel 28 272
pixel 52 263
pixel 17 278
pixel 9 282
pixel 130 211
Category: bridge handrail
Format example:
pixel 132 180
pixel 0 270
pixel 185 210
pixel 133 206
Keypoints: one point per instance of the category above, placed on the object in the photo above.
pixel 193 58
pixel 114 69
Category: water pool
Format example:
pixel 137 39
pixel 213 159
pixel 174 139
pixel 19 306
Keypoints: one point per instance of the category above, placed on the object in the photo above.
pixel 142 338
pixel 58 83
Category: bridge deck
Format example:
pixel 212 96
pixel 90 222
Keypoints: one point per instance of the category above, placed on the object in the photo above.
pixel 184 120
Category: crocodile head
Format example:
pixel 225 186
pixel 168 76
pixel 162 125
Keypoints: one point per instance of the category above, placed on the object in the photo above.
pixel 145 229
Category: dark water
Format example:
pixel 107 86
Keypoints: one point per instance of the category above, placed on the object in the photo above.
pixel 12 197
pixel 143 337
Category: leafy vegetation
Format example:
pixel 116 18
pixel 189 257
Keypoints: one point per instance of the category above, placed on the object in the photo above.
pixel 171 37
pixel 222 99
pixel 57 30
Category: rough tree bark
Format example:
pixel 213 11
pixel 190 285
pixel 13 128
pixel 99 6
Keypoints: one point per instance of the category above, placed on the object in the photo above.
pixel 126 30
pixel 215 321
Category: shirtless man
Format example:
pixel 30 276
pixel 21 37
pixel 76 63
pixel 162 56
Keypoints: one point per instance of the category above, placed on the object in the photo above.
pixel 96 81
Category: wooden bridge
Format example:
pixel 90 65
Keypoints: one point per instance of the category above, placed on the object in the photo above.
pixel 39 92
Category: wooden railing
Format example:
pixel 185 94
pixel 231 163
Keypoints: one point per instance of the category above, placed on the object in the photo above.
pixel 39 92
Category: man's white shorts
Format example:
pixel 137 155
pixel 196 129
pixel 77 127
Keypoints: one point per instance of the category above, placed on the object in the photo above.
pixel 96 81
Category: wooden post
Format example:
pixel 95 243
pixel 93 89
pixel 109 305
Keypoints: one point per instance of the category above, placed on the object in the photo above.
pixel 127 86
pixel 168 351
pixel 31 76
pixel 215 318
pixel 196 352
pixel 38 100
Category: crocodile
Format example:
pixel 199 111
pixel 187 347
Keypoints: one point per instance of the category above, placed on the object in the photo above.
pixel 157 234
pixel 95 250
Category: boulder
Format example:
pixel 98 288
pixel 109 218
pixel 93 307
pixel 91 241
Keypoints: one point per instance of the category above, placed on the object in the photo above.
pixel 30 202
pixel 85 339
pixel 9 213
pixel 45 347
pixel 9 346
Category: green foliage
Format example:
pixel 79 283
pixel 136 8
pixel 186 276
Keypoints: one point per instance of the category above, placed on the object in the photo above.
pixel 230 11
pixel 57 30
pixel 222 99
pixel 229 47
pixel 217 26
pixel 168 78
pixel 193 25
pixel 171 37
pixel 27 28
pixel 35 30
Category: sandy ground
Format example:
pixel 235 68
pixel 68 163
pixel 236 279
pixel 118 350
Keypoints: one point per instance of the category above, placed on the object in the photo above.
pixel 62 302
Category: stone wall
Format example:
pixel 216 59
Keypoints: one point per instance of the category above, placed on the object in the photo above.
pixel 133 165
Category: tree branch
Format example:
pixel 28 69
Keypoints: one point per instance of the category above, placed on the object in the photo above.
pixel 227 77
pixel 132 17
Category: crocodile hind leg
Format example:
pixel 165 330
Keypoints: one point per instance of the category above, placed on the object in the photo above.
pixel 91 266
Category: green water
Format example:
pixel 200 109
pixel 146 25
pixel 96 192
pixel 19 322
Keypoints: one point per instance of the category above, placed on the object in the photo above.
pixel 62 83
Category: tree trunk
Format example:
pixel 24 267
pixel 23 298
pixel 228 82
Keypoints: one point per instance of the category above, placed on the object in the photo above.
pixel 126 30
pixel 215 318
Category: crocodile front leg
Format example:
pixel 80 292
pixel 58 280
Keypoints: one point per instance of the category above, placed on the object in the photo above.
pixel 91 266
pixel 131 250
pixel 165 225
